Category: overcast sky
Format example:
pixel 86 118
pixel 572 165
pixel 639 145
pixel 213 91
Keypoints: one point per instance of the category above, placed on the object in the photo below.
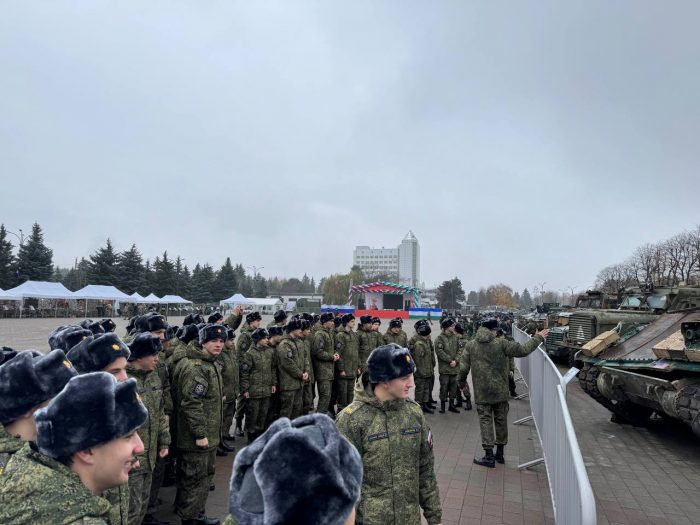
pixel 521 142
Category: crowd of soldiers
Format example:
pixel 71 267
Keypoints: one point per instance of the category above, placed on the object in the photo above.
pixel 201 386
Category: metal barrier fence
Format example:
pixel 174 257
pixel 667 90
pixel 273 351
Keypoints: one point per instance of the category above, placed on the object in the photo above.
pixel 572 496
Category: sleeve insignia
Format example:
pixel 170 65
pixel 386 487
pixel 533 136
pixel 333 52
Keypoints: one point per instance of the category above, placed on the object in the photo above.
pixel 245 367
pixel 199 389
pixel 290 354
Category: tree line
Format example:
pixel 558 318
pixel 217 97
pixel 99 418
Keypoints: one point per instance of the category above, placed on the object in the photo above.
pixel 451 295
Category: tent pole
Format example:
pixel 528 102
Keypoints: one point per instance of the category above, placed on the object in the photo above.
pixel 21 307
pixel 86 308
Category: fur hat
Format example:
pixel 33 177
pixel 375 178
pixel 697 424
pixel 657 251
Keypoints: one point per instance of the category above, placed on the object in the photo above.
pixel 293 324
pixel 66 337
pixel 446 323
pixel 144 345
pixel 275 331
pixel 192 319
pixel 305 324
pixel 230 334
pixel 252 317
pixel 376 320
pixel 27 381
pixel 346 319
pixel 108 325
pixel 171 332
pixel 92 409
pixel 326 317
pixel 459 328
pixel 365 319
pixel 262 493
pixel 213 318
pixel 388 362
pixel 315 318
pixel 259 334
pixel 188 332
pixel 209 332
pixel 156 322
pixel 399 319
pixel 6 354
pixel 395 323
pixel 141 322
pixel 423 328
pixel 132 324
pixel 94 326
pixel 490 324
pixel 96 353
pixel 306 316
pixel 280 315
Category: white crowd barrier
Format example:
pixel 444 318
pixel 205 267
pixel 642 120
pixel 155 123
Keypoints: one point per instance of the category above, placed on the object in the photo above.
pixel 572 496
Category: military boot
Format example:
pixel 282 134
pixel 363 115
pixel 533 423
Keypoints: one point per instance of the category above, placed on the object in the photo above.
pixel 499 454
pixel 458 402
pixel 432 405
pixel 452 407
pixel 205 520
pixel 426 408
pixel 150 519
pixel 468 404
pixel 239 427
pixel 488 460
pixel 442 407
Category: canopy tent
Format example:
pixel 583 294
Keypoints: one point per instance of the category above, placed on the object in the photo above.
pixel 5 296
pixel 101 292
pixel 39 290
pixel 136 298
pixel 152 298
pixel 374 292
pixel 236 299
pixel 174 299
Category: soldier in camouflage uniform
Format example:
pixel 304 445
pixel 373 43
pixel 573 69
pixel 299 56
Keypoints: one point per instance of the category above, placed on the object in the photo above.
pixel 234 319
pixel 292 369
pixel 230 376
pixel 60 478
pixel 279 318
pixel 446 350
pixel 258 383
pixel 376 336
pixel 348 366
pixel 155 434
pixel 252 323
pixel 198 399
pixel 422 353
pixel 276 335
pixel 27 382
pixel 323 358
pixel 487 358
pixel 395 333
pixel 387 428
pixel 462 339
pixel 365 339
pixel 308 390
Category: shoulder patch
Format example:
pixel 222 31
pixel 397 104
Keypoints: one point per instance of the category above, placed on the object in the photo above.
pixel 199 390
pixel 290 354
pixel 244 367
pixel 321 343
pixel 348 409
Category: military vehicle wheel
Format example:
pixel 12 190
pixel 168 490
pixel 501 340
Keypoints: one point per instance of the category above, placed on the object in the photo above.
pixel 572 358
pixel 688 407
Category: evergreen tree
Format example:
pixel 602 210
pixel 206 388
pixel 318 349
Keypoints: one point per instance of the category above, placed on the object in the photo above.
pixel 472 298
pixel 34 260
pixel 202 281
pixel 7 260
pixel 130 271
pixel 525 299
pixel 450 293
pixel 225 285
pixel 147 282
pixel 259 287
pixel 164 278
pixel 103 265
pixel 185 283
pixel 313 286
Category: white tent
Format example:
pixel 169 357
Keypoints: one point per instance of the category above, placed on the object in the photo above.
pixel 136 298
pixel 5 296
pixel 174 299
pixel 39 290
pixel 152 298
pixel 98 291
pixel 267 305
pixel 236 299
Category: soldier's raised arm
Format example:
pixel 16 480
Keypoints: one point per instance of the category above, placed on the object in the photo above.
pixel 513 349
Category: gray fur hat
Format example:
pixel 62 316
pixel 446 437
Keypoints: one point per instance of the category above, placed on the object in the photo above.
pixel 213 318
pixel 275 331
pixel 92 409
pixel 28 380
pixel 252 317
pixel 96 353
pixel 292 325
pixel 66 337
pixel 143 345
pixel 389 362
pixel 156 322
pixel 259 334
pixel 266 488
pixel 94 326
pixel 490 324
pixel 108 325
pixel 6 354
pixel 325 317
pixel 212 331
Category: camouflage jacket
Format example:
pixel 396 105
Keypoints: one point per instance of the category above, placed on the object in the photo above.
pixel 462 340
pixel 275 323
pixel 8 446
pixel 118 497
pixel 306 343
pixel 245 340
pixel 155 434
pixel 347 345
pixel 164 373
pixel 377 339
pixel 446 349
pixel 400 339
pixel 39 490
pixel 291 363
pixel 258 373
pixel 365 340
pixel 396 446
pixel 198 399
pixel 233 321
pixel 488 359
pixel 230 386
pixel 322 350
pixel 422 354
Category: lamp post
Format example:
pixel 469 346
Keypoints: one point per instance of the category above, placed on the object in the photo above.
pixel 20 237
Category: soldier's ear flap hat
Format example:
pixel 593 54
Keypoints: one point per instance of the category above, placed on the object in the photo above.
pixel 337 321
pixel 294 324
pixel 188 333
pixel 108 325
pixel 94 326
pixel 263 493
pixel 259 334
pixel 459 328
pixel 395 323
pixel 210 332
pixel 446 323
pixel 93 354
pixel 376 320
pixel 252 317
pixel 275 331
pixel 326 317
pixel 347 318
pixel 423 329
pixel 280 315
pixel 66 337
pixel 144 345
pixel 92 409
pixel 156 322
pixel 189 319
pixel 389 362
pixel 6 354
pixel 27 381
pixel 365 319
pixel 490 324
pixel 230 334
pixel 213 318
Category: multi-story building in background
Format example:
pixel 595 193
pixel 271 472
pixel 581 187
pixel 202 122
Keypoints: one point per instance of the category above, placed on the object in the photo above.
pixel 401 263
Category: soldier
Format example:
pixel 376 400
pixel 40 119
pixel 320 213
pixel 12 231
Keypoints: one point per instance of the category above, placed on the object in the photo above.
pixel 155 435
pixel 279 318
pixel 461 348
pixel 376 336
pixel 234 319
pixel 422 353
pixel 198 401
pixel 258 383
pixel 86 444
pixel 292 370
pixel 27 382
pixel 446 350
pixel 387 428
pixel 324 357
pixel 348 366
pixel 364 339
pixel 395 333
pixel 487 359
pixel 501 334
pixel 276 335
pixel 252 322
pixel 215 318
pixel 230 377
pixel 108 325
pixel 308 390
